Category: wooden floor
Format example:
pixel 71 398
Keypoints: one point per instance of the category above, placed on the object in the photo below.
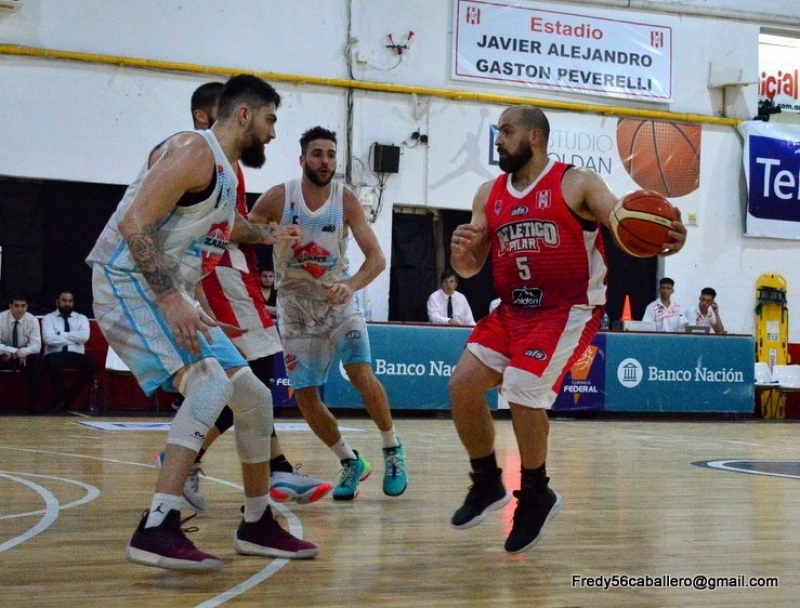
pixel 635 505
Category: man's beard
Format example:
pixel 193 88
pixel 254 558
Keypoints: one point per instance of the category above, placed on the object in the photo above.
pixel 65 310
pixel 316 179
pixel 253 154
pixel 511 163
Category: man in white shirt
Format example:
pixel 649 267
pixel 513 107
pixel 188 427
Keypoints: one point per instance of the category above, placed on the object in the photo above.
pixel 706 313
pixel 666 314
pixel 20 343
pixel 447 306
pixel 65 333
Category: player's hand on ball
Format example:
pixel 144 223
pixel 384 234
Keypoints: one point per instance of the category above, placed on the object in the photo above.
pixel 678 234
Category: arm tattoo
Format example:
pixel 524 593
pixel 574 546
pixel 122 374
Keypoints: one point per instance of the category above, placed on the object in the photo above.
pixel 151 261
pixel 251 234
pixel 256 234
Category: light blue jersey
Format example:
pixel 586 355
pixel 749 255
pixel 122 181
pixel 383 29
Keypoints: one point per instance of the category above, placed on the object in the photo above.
pixel 192 239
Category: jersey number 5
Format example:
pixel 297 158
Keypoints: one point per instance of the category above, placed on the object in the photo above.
pixel 523 268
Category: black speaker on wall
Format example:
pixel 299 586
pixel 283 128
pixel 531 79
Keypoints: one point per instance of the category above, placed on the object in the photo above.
pixel 385 159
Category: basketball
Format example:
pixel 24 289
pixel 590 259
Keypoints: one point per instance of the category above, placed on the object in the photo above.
pixel 641 221
pixel 660 155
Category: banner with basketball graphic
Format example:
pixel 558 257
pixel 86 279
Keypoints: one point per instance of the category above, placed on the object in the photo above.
pixel 628 153
pixel 772 170
pixel 591 52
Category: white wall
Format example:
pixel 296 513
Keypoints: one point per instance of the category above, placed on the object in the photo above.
pixel 92 122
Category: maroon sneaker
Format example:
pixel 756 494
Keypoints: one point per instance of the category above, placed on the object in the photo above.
pixel 266 537
pixel 166 546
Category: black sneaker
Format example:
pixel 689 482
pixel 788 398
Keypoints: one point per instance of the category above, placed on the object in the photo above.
pixel 166 546
pixel 534 511
pixel 266 537
pixel 484 496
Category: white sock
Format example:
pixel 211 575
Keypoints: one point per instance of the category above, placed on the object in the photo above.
pixel 389 438
pixel 255 507
pixel 343 451
pixel 161 505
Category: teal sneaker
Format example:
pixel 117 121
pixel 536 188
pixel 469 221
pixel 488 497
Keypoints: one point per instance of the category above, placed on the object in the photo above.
pixel 352 472
pixel 395 477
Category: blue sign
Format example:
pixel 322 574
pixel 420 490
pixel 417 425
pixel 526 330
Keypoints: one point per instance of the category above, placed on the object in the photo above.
pixel 679 373
pixel 584 386
pixel 413 362
pixel 774 184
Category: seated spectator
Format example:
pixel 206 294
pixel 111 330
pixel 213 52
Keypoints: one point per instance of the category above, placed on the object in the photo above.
pixel 268 290
pixel 446 305
pixel 706 313
pixel 20 343
pixel 666 314
pixel 65 333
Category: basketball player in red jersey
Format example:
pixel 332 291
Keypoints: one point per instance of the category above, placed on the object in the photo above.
pixel 540 222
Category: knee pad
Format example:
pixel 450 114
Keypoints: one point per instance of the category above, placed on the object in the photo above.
pixel 251 403
pixel 206 389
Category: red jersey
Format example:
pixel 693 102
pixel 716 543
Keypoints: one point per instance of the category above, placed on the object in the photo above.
pixel 543 254
pixel 245 258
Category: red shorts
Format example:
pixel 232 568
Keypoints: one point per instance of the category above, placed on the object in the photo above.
pixel 533 349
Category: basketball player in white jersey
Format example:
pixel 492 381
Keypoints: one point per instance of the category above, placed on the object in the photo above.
pixel 233 297
pixel 317 311
pixel 169 230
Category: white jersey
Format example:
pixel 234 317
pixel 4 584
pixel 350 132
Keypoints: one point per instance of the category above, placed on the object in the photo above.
pixel 191 238
pixel 322 254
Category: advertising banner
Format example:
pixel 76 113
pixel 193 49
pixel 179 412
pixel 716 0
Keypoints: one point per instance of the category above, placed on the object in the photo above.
pixel 628 153
pixel 413 363
pixel 584 385
pixel 772 170
pixel 582 52
pixel 780 84
pixel 678 373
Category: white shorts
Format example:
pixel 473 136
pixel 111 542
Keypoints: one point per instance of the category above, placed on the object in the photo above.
pixel 313 332
pixel 135 328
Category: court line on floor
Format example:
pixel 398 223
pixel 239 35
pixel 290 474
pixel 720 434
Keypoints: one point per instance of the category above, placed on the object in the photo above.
pixel 295 526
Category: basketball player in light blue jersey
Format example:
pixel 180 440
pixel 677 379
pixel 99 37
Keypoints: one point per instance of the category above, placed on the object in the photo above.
pixel 317 312
pixel 171 229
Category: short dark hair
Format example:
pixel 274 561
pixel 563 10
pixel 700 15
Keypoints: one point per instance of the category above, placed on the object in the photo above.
pixel 206 96
pixel 708 291
pixel 18 297
pixel 446 274
pixel 666 281
pixel 533 118
pixel 245 89
pixel 315 133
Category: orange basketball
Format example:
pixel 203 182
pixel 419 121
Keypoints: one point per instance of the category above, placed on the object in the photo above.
pixel 641 222
pixel 660 155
